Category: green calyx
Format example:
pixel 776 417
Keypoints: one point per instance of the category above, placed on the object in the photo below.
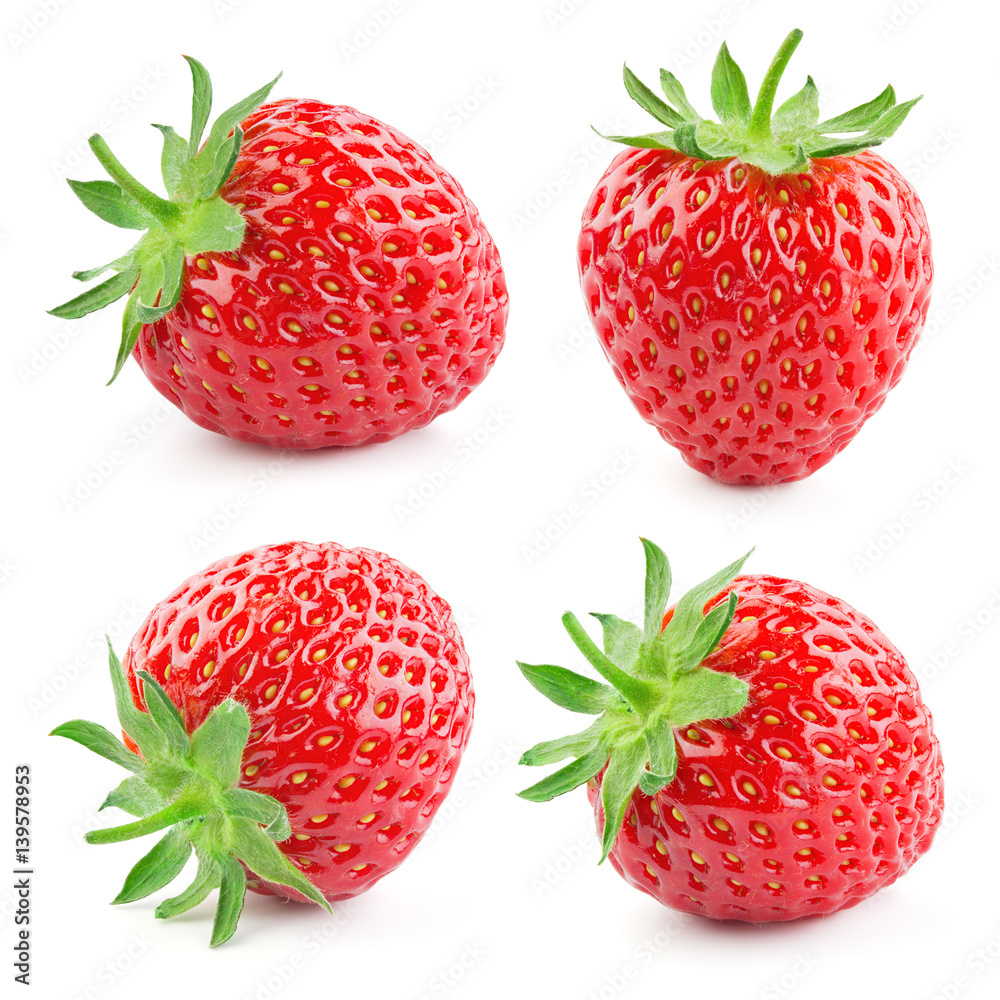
pixel 193 219
pixel 779 142
pixel 187 785
pixel 656 683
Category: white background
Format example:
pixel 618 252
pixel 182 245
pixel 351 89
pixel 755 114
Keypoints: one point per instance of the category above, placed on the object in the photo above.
pixel 504 897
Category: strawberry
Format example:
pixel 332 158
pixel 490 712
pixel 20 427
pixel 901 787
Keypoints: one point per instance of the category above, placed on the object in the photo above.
pixel 314 279
pixel 310 695
pixel 758 285
pixel 761 751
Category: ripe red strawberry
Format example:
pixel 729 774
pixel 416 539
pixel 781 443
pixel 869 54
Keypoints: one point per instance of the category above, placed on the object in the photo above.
pixel 757 286
pixel 764 753
pixel 327 696
pixel 315 279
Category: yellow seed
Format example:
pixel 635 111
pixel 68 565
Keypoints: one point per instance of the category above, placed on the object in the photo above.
pixel 772 720
pixel 677 268
pixel 706 780
pixel 321 818
pixel 842 208
pixel 750 788
pixel 781 231
pixel 824 748
pixel 299 777
pixel 279 188
pixel 762 830
pixel 351 663
pixel 677 814
pixel 755 256
pixel 721 824
pixel 249 322
pixel 697 858
pixel 208 669
pixel 767 654
pixel 345 700
pixel 380 708
pixel 724 279
pixel 389 247
pixel 701 197
pixel 270 692
pixel 306 693
pixel 776 296
pixel 346 782
pixel 825 287
pixel 793 790
pixel 281 655
pixel 208 312
pixel 341 848
pixel 660 846
pixel 324 741
pixel 368 745
pixel 251 770
pixel 783 752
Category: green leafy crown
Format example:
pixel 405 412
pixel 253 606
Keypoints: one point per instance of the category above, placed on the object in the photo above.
pixel 656 682
pixel 194 219
pixel 187 785
pixel 780 142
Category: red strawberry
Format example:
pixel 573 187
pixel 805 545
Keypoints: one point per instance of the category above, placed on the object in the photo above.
pixel 757 286
pixel 327 696
pixel 316 278
pixel 772 765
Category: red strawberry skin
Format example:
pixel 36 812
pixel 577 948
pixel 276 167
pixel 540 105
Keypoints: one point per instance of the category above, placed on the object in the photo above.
pixel 756 321
pixel 825 788
pixel 366 299
pixel 357 685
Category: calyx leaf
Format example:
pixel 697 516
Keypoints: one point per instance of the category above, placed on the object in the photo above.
pixel 193 218
pixel 187 785
pixel 656 682
pixel 778 142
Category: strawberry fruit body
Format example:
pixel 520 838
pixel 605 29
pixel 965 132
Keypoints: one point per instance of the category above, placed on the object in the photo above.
pixel 349 686
pixel 339 288
pixel 757 286
pixel 763 755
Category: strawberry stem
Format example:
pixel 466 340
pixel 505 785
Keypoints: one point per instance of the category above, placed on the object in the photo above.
pixel 189 784
pixel 759 129
pixel 158 207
